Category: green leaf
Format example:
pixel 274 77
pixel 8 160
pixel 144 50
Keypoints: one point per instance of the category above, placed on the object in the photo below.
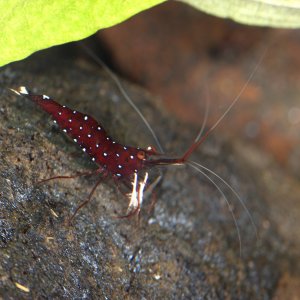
pixel 273 13
pixel 31 25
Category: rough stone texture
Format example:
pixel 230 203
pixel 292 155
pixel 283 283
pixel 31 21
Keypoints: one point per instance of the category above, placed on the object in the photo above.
pixel 186 248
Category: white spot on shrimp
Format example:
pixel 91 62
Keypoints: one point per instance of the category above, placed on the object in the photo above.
pixel 125 148
pixel 86 118
pixel 108 138
pixel 97 145
pixel 118 174
pixel 23 90
pixel 64 130
pixel 45 97
pixel 80 128
pixel 99 128
pixel 75 140
pixel 83 149
pixel 64 106
pixel 70 120
pixel 118 155
pixel 135 170
pixel 113 142
pixel 54 121
pixel 89 135
pixel 119 166
pixel 93 159
pixel 74 112
pixel 59 113
pixel 131 156
pixel 105 154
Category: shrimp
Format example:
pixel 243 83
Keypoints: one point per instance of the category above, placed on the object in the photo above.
pixel 121 162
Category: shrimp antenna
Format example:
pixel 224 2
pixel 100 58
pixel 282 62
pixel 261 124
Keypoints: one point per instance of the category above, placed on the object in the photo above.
pixel 123 92
pixel 207 106
pixel 235 193
pixel 197 168
pixel 198 141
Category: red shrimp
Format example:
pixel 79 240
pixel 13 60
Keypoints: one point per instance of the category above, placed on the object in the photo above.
pixel 118 160
pixel 121 162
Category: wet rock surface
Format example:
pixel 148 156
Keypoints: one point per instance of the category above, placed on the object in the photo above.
pixel 187 247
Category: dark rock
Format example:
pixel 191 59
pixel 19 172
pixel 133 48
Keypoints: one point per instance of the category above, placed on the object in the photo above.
pixel 187 248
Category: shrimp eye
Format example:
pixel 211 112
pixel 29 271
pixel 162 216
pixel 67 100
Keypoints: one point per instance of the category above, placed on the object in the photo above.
pixel 141 155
